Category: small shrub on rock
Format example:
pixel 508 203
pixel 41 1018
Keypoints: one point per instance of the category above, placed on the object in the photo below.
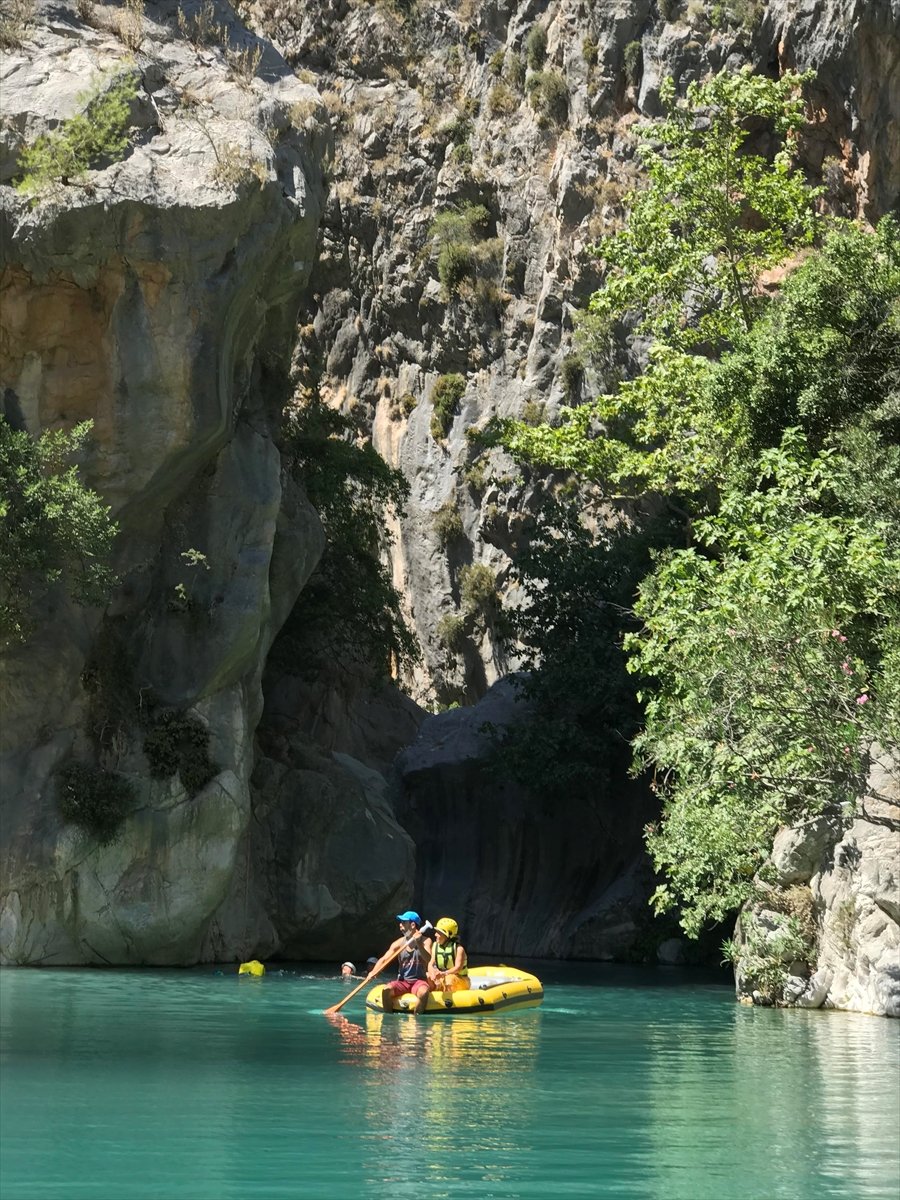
pixel 478 589
pixel 549 96
pixel 536 47
pixel 448 391
pixel 502 101
pixel 533 412
pixel 448 523
pixel 476 474
pixel 96 135
pixel 572 376
pixel 451 632
pixel 632 59
pixel 95 800
pixel 456 234
pixel 179 742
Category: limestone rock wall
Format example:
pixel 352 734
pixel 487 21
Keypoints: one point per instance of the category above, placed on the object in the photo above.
pixel 522 874
pixel 273 214
pixel 846 875
pixel 430 112
pixel 160 301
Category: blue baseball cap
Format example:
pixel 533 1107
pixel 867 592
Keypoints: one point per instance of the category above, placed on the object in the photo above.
pixel 409 915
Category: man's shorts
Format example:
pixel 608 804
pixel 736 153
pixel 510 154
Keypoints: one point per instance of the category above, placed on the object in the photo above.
pixel 400 987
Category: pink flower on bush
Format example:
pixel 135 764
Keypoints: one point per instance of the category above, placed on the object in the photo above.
pixel 863 699
pixel 846 668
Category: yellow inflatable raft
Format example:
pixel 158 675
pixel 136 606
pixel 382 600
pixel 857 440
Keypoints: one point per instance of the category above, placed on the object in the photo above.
pixel 493 989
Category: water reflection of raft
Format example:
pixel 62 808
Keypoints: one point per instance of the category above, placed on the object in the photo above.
pixel 493 989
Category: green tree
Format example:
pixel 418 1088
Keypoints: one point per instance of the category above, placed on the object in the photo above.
pixel 579 593
pixel 98 133
pixel 768 649
pixel 710 219
pixel 713 215
pixel 52 528
pixel 771 650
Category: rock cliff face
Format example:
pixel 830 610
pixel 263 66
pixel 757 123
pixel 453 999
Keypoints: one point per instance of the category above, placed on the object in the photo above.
pixel 844 877
pixel 493 854
pixel 167 300
pixel 160 301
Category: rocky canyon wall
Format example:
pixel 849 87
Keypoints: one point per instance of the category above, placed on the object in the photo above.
pixel 272 222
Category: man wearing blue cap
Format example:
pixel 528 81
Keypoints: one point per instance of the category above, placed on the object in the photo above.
pixel 414 945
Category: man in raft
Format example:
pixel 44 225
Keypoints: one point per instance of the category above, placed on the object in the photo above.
pixel 414 944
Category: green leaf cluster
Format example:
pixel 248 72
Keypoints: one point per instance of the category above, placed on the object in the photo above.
pixel 53 529
pixel 713 216
pixel 96 800
pixel 463 251
pixel 770 643
pixel 445 397
pixel 99 133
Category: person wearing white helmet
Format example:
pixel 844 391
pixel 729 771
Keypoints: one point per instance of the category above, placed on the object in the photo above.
pixel 448 969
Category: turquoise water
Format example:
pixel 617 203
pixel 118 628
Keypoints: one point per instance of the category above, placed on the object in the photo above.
pixel 645 1084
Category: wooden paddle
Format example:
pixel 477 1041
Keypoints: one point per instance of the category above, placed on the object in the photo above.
pixel 379 966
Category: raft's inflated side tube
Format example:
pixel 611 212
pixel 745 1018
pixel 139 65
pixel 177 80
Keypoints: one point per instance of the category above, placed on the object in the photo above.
pixel 493 989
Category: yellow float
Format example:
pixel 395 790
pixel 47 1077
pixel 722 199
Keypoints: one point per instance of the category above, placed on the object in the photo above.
pixel 493 989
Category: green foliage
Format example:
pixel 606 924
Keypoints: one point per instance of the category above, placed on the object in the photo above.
pixel 95 800
pixel 766 951
pixel 514 70
pixel 458 129
pixel 632 61
pixel 549 95
pixel 478 590
pixel 667 8
pixel 350 610
pixel 456 263
pixel 495 62
pixel 572 375
pixel 502 101
pixel 458 236
pixel 579 588
pixel 447 523
pixel 451 632
pixel 447 393
pixel 96 135
pixel 179 742
pixel 826 355
pixel 772 644
pixel 589 51
pixel 532 412
pixel 462 153
pixel 769 648
pixel 713 217
pixel 536 47
pixel 475 475
pixel 52 528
